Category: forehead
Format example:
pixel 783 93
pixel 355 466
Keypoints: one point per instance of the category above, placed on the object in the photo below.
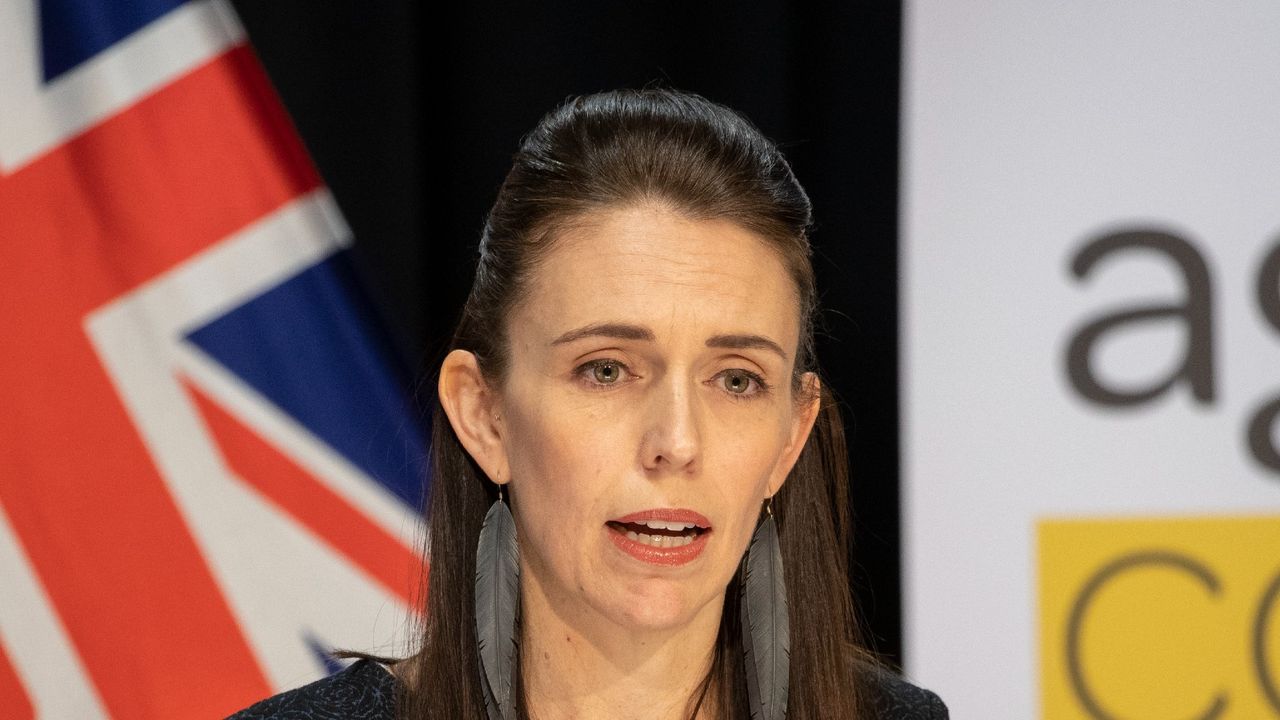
pixel 654 267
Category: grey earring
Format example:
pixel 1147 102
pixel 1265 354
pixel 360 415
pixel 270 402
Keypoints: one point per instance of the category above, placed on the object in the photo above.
pixel 497 600
pixel 766 630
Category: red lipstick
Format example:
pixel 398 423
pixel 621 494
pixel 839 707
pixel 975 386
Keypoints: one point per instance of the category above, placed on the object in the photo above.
pixel 651 526
pixel 668 514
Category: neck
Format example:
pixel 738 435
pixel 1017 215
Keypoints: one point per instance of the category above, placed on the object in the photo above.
pixel 578 664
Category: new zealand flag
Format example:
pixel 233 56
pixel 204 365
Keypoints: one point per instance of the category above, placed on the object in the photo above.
pixel 209 470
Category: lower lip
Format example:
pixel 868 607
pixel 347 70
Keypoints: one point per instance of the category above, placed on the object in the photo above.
pixel 669 556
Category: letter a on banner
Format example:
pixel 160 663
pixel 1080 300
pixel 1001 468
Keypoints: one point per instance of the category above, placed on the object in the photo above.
pixel 209 470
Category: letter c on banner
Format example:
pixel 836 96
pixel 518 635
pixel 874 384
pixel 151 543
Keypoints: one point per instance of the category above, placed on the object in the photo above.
pixel 1121 565
pixel 1265 607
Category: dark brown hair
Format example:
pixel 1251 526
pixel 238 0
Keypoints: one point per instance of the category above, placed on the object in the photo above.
pixel 686 154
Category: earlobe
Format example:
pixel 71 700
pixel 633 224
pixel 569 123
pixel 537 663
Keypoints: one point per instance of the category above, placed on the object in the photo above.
pixel 471 406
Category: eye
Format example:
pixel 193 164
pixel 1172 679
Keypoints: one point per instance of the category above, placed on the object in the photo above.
pixel 743 383
pixel 602 372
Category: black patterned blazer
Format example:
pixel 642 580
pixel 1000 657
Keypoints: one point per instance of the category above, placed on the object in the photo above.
pixel 366 691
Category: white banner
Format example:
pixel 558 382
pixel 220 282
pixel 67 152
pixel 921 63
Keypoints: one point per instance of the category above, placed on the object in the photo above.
pixel 1091 357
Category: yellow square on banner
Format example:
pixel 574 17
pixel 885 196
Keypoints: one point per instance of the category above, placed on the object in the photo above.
pixel 1159 618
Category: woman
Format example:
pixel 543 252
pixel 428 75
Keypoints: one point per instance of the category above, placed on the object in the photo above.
pixel 633 373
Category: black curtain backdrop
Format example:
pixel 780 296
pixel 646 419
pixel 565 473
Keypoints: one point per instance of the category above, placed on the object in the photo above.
pixel 412 117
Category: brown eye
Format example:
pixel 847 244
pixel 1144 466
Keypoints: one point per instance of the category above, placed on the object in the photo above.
pixel 606 373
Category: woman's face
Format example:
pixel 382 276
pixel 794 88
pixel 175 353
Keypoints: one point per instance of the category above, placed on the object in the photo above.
pixel 648 412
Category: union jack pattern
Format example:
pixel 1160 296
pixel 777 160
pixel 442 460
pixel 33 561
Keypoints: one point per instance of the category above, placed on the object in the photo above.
pixel 209 470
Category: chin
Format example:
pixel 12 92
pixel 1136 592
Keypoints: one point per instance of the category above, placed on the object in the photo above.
pixel 655 608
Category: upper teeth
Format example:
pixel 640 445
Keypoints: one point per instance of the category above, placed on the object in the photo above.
pixel 664 525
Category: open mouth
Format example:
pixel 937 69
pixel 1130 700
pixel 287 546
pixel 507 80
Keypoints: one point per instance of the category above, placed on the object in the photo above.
pixel 658 533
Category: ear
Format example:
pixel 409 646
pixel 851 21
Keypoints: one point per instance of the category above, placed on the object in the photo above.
pixel 472 409
pixel 804 414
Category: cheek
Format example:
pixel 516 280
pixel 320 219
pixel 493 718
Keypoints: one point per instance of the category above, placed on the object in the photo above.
pixel 741 464
pixel 556 447
pixel 560 470
pixel 748 449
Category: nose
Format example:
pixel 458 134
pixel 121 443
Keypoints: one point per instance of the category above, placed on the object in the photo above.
pixel 671 440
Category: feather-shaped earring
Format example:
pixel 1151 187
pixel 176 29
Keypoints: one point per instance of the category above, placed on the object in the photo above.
pixel 497 603
pixel 766 630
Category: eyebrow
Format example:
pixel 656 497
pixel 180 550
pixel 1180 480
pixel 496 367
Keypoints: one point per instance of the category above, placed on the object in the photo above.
pixel 744 342
pixel 620 331
pixel 625 331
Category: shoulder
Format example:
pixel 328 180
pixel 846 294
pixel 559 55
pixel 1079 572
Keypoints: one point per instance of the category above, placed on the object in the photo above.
pixel 893 698
pixel 362 691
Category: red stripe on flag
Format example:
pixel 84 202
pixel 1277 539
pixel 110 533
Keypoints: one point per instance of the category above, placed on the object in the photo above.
pixel 329 517
pixel 150 187
pixel 13 698
pixel 145 190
